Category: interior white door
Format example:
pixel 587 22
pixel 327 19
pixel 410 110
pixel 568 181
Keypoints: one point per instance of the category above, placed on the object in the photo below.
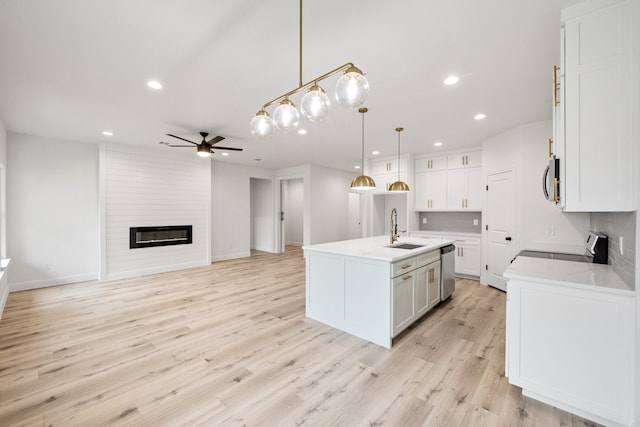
pixel 500 226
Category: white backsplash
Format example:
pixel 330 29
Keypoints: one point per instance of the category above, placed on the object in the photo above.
pixel 617 225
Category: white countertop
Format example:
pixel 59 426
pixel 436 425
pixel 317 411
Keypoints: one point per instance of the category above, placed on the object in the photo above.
pixel 598 277
pixel 378 247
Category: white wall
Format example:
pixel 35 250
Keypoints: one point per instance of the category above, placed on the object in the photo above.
pixel 142 187
pixel 231 210
pixel 329 204
pixel 294 211
pixel 4 282
pixel 52 211
pixel 524 150
pixel 261 194
pixel 635 132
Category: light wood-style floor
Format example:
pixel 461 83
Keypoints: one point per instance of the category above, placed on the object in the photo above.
pixel 229 344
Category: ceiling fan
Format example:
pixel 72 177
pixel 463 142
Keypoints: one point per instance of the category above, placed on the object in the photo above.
pixel 205 148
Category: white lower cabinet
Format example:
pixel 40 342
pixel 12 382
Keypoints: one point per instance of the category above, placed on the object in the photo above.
pixel 572 347
pixel 468 259
pixel 415 288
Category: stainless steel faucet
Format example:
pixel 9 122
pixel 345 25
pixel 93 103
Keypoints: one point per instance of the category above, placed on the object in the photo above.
pixel 394 225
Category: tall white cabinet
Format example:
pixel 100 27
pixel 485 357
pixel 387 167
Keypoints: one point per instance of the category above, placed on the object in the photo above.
pixel 594 116
pixel 450 182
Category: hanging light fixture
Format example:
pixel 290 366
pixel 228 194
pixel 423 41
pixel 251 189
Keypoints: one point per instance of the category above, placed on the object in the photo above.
pixel 363 182
pixel 399 186
pixel 352 90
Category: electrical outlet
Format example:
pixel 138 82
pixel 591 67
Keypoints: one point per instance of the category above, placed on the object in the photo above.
pixel 621 243
pixel 424 220
pixel 551 231
pixel 475 221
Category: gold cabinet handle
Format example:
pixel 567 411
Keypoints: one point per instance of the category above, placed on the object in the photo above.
pixel 407 277
pixel 550 147
pixel 462 251
pixel 404 267
pixel 463 203
pixel 556 86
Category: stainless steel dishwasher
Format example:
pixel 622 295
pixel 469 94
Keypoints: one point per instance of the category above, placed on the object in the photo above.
pixel 447 275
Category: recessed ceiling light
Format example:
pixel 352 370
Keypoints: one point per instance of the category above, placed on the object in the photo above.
pixel 225 154
pixel 107 133
pixel 375 153
pixel 154 84
pixel 302 131
pixel 451 80
pixel 437 144
pixel 479 116
pixel 357 166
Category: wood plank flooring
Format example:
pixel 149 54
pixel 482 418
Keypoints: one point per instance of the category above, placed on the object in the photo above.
pixel 229 344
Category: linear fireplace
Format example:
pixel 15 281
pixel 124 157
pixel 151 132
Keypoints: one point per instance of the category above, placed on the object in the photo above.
pixel 144 237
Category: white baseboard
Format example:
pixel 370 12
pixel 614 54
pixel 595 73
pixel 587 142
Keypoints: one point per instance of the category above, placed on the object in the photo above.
pixel 51 281
pixel 231 256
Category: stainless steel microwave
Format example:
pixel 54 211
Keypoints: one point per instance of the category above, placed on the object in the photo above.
pixel 551 180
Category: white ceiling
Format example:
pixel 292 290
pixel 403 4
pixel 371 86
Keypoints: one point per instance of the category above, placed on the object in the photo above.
pixel 70 69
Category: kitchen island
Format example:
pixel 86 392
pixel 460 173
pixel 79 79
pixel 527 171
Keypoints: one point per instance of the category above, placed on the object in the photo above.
pixel 370 288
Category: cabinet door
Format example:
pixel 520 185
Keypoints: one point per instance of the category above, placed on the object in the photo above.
pixel 420 193
pixel 464 160
pixel 456 192
pixel 379 167
pixel 423 275
pixel 598 112
pixel 475 189
pixel 403 301
pixel 469 260
pixel 382 183
pixel 437 190
pixel 433 289
pixel 429 164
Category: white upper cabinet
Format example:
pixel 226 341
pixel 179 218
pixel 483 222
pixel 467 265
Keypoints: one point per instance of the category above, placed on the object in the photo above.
pixel 598 87
pixel 429 164
pixel 464 160
pixel 449 182
pixel 388 165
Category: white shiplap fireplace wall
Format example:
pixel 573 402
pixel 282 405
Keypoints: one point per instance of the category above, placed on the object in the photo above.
pixel 142 187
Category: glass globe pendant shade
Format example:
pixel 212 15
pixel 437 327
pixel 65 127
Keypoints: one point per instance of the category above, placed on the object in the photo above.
pixel 352 88
pixel 315 104
pixel 261 125
pixel 285 116
pixel 363 182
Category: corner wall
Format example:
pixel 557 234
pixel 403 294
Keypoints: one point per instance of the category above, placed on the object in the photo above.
pixel 524 150
pixel 52 211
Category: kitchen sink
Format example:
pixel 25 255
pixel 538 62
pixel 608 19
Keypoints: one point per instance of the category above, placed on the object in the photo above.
pixel 405 246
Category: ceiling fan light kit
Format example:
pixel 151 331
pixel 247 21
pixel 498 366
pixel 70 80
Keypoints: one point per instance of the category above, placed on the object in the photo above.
pixel 204 148
pixel 352 90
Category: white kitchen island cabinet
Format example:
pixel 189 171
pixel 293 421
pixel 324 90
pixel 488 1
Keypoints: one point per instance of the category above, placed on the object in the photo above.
pixel 370 290
pixel 569 337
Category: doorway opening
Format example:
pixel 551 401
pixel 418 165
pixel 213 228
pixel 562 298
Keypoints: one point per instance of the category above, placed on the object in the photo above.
pixel 261 213
pixel 292 212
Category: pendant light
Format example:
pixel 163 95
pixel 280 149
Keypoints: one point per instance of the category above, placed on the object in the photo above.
pixel 352 89
pixel 363 182
pixel 399 186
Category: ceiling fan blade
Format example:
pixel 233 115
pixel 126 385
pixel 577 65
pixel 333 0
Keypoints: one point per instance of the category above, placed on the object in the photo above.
pixel 215 140
pixel 227 148
pixel 179 137
pixel 187 146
